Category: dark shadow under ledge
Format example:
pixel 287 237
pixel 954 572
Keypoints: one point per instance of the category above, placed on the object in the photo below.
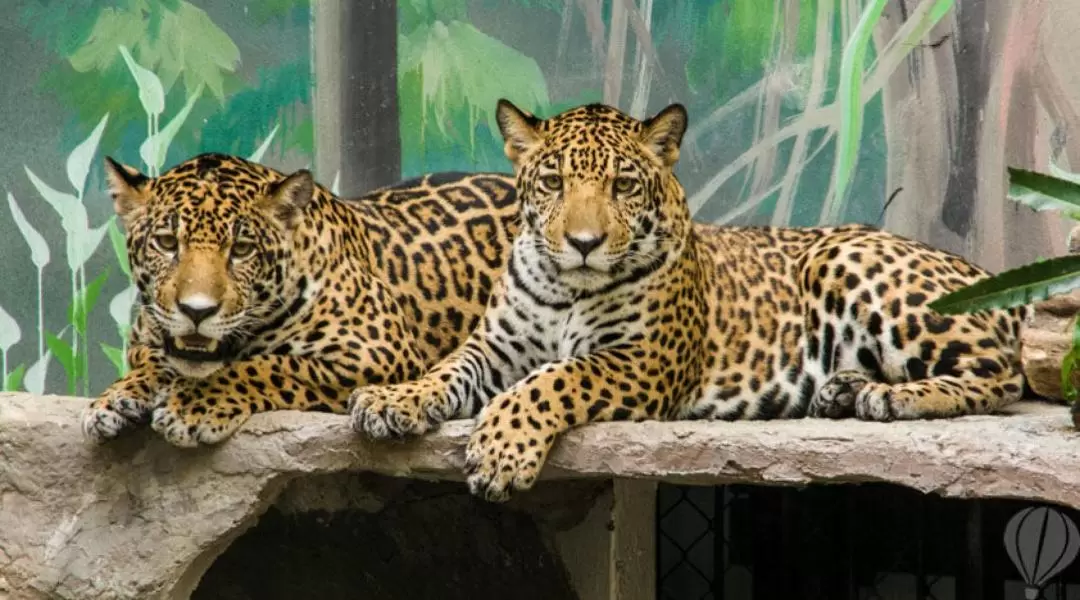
pixel 140 519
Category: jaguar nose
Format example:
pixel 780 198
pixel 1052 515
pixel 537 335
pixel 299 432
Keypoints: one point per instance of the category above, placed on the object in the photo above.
pixel 585 243
pixel 198 308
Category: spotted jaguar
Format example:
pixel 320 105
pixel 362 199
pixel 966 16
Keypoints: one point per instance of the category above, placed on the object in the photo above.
pixel 615 305
pixel 259 291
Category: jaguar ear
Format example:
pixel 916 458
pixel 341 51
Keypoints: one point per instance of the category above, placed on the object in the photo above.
pixel 664 132
pixel 518 129
pixel 128 187
pixel 287 198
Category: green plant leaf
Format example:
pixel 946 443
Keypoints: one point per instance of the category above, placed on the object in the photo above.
pixel 78 312
pixel 1060 173
pixel 1015 287
pixel 116 357
pixel 851 106
pixel 14 379
pixel 63 353
pixel 1068 364
pixel 1043 192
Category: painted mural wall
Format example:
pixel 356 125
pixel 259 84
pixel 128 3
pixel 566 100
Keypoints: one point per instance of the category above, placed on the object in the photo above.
pixel 900 113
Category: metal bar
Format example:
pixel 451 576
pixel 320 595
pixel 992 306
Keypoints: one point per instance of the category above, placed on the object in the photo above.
pixel 922 591
pixel 970 583
pixel 720 506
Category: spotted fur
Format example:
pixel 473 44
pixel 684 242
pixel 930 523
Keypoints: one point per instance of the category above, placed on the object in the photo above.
pixel 615 306
pixel 259 291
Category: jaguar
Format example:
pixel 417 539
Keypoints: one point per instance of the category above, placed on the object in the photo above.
pixel 260 291
pixel 616 305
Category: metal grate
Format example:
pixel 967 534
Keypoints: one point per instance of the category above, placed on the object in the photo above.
pixel 850 542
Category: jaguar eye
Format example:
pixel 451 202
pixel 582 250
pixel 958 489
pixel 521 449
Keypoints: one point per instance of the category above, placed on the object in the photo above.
pixel 551 182
pixel 166 242
pixel 242 249
pixel 624 185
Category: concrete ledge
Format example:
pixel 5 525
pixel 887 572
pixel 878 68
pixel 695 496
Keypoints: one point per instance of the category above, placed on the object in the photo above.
pixel 141 519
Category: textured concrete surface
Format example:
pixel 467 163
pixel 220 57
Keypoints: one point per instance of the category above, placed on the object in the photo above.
pixel 141 519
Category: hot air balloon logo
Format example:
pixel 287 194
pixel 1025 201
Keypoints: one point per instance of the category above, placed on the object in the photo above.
pixel 1041 542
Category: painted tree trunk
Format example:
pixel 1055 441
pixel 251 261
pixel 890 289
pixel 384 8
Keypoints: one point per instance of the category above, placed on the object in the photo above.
pixel 371 142
pixel 977 96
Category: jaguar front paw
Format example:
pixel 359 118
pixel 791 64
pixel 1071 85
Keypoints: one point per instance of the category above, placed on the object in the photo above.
pixel 121 408
pixel 502 459
pixel 188 419
pixel 836 399
pixel 394 411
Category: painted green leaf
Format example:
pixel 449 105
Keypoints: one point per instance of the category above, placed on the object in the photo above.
pixel 39 248
pixel 78 312
pixel 83 244
pixel 180 44
pixel 918 24
pixel 851 106
pixel 273 11
pixel 14 379
pixel 62 31
pixel 119 246
pixel 749 27
pixel 153 149
pixel 151 92
pixel 425 12
pixel 115 356
pixel 261 150
pixel 10 334
pixel 114 27
pixel 192 46
pixel 120 306
pixel 72 212
pixel 267 100
pixel 34 380
pixel 78 162
pixel 1043 192
pixel 63 353
pixel 454 62
pixel 188 44
pixel 1016 287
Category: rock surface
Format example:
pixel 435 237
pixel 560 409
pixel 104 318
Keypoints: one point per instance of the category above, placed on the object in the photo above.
pixel 1047 340
pixel 140 519
pixel 1048 337
pixel 431 540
